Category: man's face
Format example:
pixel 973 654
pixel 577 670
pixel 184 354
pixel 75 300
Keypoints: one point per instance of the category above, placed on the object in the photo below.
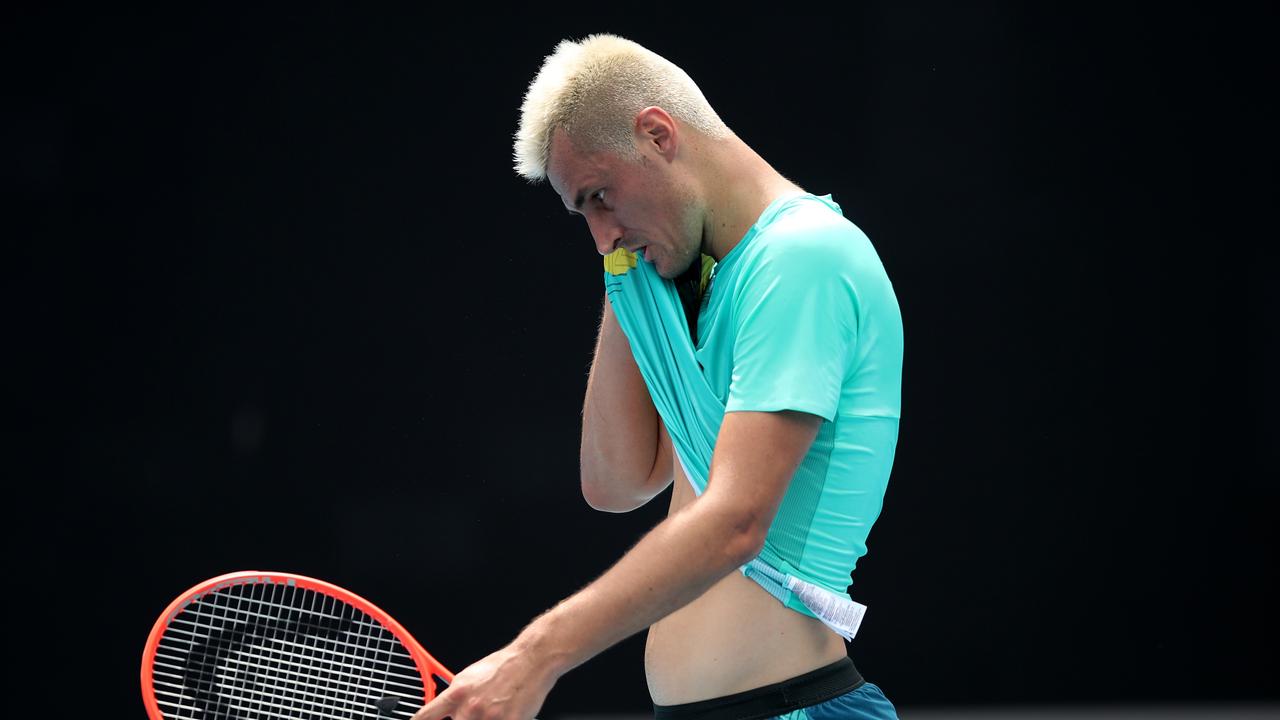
pixel 637 205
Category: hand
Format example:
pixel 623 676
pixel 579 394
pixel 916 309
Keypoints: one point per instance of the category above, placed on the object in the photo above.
pixel 510 684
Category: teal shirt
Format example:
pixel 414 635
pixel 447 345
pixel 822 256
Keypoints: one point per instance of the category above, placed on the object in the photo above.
pixel 801 315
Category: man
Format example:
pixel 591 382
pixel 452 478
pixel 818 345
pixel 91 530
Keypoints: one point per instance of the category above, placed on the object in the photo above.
pixel 787 372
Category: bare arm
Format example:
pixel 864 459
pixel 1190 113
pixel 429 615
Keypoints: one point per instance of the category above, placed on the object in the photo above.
pixel 756 455
pixel 626 454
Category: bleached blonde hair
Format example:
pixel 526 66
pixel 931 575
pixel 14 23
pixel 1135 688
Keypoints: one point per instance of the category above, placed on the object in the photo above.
pixel 594 89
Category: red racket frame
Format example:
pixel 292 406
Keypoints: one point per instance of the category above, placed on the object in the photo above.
pixel 428 667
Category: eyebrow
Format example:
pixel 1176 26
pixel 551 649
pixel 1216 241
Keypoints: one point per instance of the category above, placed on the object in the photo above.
pixel 578 199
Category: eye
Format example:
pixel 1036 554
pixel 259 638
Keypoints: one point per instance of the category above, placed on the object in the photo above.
pixel 599 195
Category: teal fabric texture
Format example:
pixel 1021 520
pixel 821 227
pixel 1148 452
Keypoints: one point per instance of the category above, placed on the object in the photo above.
pixel 800 315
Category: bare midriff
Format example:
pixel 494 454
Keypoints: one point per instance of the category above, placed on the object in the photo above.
pixel 735 637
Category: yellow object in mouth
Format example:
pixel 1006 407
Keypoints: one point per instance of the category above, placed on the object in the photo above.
pixel 619 262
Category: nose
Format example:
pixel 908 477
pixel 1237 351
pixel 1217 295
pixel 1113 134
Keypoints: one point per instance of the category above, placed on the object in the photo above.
pixel 607 235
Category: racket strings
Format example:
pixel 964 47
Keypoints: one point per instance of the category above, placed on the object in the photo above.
pixel 278 651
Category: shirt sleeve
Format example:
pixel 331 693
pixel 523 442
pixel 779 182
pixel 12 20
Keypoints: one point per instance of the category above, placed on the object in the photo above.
pixel 795 321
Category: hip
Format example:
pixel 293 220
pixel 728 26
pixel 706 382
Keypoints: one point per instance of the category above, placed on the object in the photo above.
pixel 834 692
pixel 735 637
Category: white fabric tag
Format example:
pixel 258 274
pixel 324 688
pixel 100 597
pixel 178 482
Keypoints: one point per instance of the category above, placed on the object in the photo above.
pixel 835 611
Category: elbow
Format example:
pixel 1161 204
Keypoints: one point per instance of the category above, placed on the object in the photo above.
pixel 607 489
pixel 602 503
pixel 744 531
pixel 598 498
pixel 744 540
pixel 592 491
pixel 745 547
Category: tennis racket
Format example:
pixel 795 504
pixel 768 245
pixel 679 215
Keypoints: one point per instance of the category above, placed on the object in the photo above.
pixel 276 645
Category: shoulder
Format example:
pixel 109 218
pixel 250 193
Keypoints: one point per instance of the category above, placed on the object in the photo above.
pixel 805 239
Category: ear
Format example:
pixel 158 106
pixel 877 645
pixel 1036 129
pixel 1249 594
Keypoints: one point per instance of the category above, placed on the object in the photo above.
pixel 656 131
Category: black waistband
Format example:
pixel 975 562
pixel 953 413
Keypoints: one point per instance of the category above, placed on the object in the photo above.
pixel 801 691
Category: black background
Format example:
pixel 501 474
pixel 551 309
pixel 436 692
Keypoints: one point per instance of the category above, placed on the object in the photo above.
pixel 276 300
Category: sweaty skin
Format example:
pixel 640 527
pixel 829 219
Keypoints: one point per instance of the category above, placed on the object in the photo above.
pixel 734 637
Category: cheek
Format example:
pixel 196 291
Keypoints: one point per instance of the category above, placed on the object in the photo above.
pixel 684 214
pixel 675 216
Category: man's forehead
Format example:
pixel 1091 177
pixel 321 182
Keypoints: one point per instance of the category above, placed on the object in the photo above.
pixel 569 169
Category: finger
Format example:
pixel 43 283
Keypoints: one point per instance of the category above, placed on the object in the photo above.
pixel 440 707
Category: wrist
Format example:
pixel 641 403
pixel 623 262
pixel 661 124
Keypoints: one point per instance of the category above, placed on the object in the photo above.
pixel 545 644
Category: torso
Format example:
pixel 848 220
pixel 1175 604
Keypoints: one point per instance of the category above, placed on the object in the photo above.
pixel 734 637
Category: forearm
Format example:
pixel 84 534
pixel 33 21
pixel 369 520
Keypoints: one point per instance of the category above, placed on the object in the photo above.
pixel 756 456
pixel 670 567
pixel 619 424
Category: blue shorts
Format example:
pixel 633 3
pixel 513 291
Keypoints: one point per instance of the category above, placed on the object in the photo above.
pixel 834 692
pixel 864 703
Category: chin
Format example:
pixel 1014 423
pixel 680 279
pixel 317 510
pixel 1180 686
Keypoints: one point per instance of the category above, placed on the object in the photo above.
pixel 664 271
pixel 670 263
pixel 670 273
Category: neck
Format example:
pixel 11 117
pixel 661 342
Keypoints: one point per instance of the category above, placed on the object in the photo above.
pixel 738 186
